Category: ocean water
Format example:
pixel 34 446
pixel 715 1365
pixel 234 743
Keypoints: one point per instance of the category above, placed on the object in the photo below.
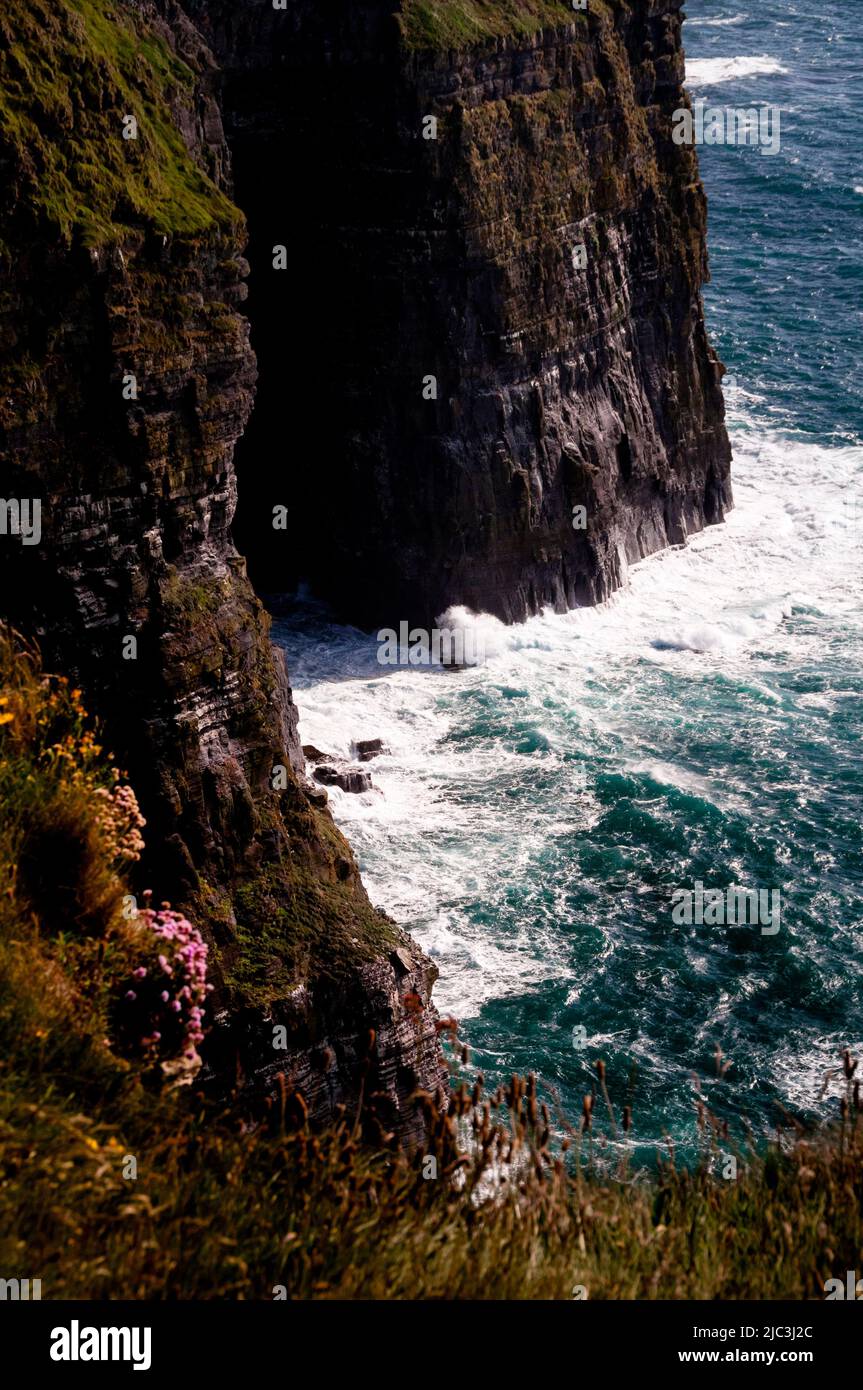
pixel 534 815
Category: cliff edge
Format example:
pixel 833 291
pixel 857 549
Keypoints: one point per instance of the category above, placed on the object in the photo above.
pixel 126 380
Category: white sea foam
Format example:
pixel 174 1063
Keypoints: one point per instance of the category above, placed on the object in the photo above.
pixel 716 23
pixel 448 825
pixel 711 72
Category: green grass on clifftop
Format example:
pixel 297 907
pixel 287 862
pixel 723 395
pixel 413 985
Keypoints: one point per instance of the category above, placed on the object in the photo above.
pixel 70 70
pixel 460 23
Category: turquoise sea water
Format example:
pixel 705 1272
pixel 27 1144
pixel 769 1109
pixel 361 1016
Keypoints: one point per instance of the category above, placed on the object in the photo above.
pixel 535 814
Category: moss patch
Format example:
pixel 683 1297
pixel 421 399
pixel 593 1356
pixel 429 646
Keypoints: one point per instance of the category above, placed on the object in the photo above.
pixel 70 71
pixel 187 599
pixel 295 928
pixel 459 23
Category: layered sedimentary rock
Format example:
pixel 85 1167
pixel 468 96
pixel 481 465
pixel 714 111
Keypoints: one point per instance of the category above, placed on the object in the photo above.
pixel 540 255
pixel 126 380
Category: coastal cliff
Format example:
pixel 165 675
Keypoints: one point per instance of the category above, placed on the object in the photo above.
pixel 482 195
pixel 126 380
pixel 494 256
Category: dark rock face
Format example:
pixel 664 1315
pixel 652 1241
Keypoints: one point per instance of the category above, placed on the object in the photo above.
pixel 350 779
pixel 315 1053
pixel 368 748
pixel 136 589
pixel 556 387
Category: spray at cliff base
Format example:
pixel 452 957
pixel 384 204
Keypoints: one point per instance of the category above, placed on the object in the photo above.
pixel 533 815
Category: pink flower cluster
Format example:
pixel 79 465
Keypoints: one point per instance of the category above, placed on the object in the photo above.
pixel 121 821
pixel 162 1010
